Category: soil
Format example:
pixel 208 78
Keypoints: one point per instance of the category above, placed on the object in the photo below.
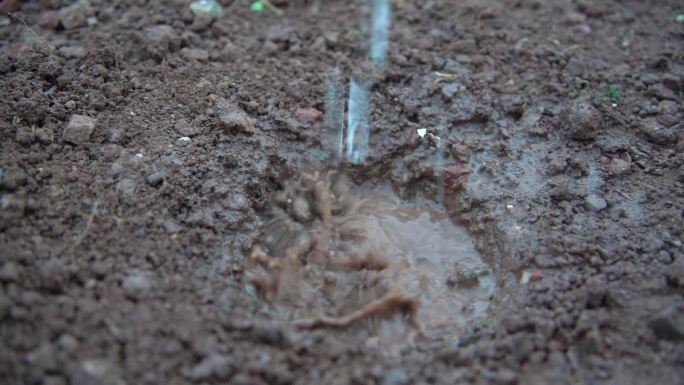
pixel 144 150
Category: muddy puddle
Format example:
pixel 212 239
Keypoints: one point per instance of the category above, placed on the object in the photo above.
pixel 368 265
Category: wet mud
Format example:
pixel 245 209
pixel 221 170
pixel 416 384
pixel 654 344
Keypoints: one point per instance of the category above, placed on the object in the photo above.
pixel 336 256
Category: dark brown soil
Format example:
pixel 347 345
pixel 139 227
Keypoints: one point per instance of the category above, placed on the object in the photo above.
pixel 123 252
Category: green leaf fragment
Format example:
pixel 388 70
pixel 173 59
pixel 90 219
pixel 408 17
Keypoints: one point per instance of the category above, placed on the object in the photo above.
pixel 613 94
pixel 257 6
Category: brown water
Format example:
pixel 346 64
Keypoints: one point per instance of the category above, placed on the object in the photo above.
pixel 429 258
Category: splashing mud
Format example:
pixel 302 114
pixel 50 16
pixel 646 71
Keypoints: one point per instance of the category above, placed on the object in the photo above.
pixel 360 260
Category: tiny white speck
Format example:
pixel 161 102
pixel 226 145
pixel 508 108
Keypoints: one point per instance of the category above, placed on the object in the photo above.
pixel 184 139
pixel 138 155
pixel 132 113
pixel 422 132
pixel 614 105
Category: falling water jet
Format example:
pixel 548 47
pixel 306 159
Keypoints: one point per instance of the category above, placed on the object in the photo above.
pixel 333 140
pixel 380 31
pixel 357 122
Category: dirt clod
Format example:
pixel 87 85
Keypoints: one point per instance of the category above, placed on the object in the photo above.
pixel 25 135
pixel 75 15
pixel 233 117
pixel 618 167
pixel 581 120
pixel 669 324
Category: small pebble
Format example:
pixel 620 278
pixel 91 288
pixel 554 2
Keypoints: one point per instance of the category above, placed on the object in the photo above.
pixel 308 115
pixel 581 120
pixel 79 129
pixel 618 166
pixel 233 117
pixel 595 203
pixel 156 178
pixel 665 257
pixel 194 54
pixel 75 15
pixel 136 286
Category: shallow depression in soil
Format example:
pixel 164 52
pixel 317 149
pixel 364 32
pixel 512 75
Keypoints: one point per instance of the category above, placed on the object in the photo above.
pixel 433 260
pixel 429 259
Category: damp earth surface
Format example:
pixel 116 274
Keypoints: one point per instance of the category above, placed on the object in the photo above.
pixel 178 203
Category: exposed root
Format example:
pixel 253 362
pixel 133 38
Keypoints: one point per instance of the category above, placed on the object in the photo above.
pixel 322 195
pixel 317 225
pixel 386 306
pixel 268 287
pixel 355 261
pixel 261 257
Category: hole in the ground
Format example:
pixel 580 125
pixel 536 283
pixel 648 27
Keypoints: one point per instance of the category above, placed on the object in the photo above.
pixel 371 266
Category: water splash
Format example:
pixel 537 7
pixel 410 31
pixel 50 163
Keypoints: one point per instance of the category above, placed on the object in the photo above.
pixel 357 122
pixel 207 7
pixel 380 31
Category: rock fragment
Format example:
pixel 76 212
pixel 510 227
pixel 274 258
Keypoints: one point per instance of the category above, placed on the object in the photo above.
pixel 581 120
pixel 233 117
pixel 595 203
pixel 155 179
pixel 308 115
pixel 75 15
pixel 194 54
pixel 669 324
pixel 79 129
pixel 617 167
pixel 137 286
pixel 656 133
